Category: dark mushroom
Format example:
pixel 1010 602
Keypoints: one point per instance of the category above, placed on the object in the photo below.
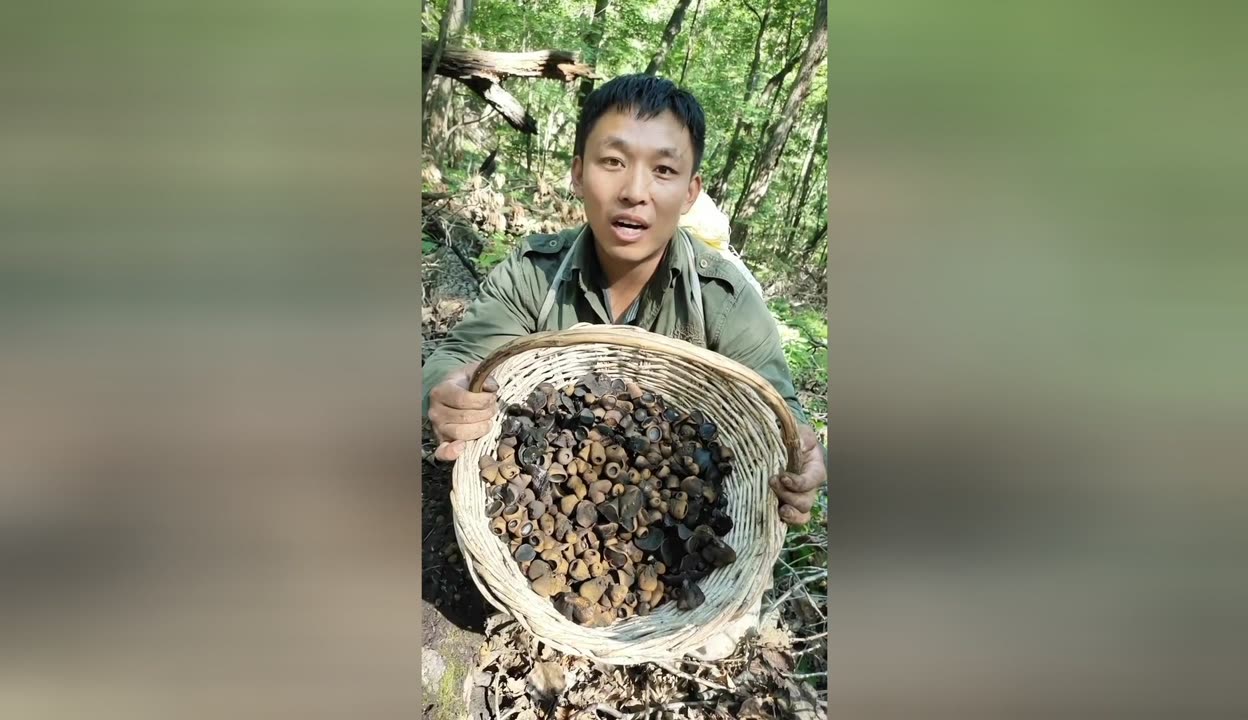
pixel 650 541
pixel 586 514
pixel 610 510
pixel 690 596
pixel 631 502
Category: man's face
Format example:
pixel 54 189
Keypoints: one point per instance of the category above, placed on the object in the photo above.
pixel 636 178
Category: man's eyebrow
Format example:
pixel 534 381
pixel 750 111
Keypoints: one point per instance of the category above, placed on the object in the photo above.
pixel 614 141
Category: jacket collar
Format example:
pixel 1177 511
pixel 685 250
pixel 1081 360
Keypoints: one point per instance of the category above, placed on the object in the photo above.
pixel 584 260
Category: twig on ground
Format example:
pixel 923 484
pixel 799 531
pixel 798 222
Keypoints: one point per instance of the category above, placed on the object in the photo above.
pixel 680 673
pixel 808 638
pixel 445 241
pixel 803 582
pixel 812 648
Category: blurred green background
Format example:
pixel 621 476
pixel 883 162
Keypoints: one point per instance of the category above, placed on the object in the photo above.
pixel 1037 397
pixel 208 310
pixel 231 156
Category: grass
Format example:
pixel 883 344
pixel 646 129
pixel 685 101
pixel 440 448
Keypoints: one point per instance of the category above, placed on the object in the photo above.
pixel 449 700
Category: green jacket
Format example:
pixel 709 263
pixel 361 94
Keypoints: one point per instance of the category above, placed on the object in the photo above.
pixel 514 294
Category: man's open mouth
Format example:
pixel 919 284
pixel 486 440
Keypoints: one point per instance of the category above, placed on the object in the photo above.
pixel 629 223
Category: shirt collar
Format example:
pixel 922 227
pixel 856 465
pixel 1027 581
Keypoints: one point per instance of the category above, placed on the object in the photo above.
pixel 584 259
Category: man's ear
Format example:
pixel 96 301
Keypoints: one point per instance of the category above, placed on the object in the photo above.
pixel 578 170
pixel 695 187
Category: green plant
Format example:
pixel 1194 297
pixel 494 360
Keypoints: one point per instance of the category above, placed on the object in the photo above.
pixel 496 249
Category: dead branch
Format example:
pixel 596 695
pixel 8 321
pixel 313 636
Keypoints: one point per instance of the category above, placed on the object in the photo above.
pixel 483 71
pixel 680 673
pixel 443 238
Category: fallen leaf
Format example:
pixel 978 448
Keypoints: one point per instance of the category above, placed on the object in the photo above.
pixel 548 678
pixel 753 709
pixel 778 661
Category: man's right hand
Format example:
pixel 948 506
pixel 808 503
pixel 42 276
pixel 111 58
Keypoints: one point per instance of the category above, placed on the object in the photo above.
pixel 458 415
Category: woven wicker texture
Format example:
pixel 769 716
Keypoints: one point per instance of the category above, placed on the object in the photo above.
pixel 753 420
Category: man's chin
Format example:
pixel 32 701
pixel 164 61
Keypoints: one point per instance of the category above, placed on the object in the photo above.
pixel 628 251
pixel 627 254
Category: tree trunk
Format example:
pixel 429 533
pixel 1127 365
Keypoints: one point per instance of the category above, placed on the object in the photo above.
pixel 669 37
pixel 428 66
pixel 693 36
pixel 455 18
pixel 820 233
pixel 719 187
pixel 482 71
pixel 797 200
pixel 593 41
pixel 769 158
pixel 770 92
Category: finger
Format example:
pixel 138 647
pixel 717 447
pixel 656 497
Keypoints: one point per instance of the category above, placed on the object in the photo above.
pixel 443 415
pixel 460 398
pixel 463 378
pixel 449 451
pixel 467 431
pixel 812 478
pixel 793 516
pixel 801 501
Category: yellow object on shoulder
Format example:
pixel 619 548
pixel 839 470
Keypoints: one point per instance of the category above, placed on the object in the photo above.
pixel 705 222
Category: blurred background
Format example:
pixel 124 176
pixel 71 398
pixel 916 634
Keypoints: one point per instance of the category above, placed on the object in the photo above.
pixel 1038 399
pixel 209 359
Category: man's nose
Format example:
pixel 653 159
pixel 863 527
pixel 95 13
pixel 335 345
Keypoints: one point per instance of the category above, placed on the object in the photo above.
pixel 636 186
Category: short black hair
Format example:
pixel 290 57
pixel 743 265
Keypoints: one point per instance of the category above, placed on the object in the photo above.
pixel 646 96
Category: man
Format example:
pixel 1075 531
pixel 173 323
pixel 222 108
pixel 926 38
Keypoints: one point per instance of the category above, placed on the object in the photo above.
pixel 639 144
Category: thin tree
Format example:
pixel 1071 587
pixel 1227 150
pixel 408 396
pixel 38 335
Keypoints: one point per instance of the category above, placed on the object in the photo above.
pixel 797 199
pixel 455 19
pixel 693 36
pixel 668 38
pixel 778 135
pixel 593 43
pixel 719 187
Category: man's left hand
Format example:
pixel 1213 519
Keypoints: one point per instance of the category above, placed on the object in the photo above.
pixel 798 491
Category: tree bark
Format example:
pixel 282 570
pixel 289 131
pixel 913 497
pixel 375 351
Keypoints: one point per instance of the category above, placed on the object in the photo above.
pixel 693 36
pixel 820 233
pixel 769 158
pixel 797 200
pixel 455 18
pixel 669 37
pixel 719 187
pixel 429 65
pixel 593 41
pixel 770 92
pixel 482 72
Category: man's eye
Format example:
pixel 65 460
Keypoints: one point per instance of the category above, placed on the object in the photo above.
pixel 665 170
pixel 611 162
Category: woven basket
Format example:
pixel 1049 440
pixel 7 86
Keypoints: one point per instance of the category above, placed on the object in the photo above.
pixel 753 420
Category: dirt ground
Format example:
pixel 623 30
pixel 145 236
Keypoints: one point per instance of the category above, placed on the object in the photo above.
pixel 453 617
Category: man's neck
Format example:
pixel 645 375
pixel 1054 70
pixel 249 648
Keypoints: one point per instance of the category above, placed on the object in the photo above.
pixel 628 278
